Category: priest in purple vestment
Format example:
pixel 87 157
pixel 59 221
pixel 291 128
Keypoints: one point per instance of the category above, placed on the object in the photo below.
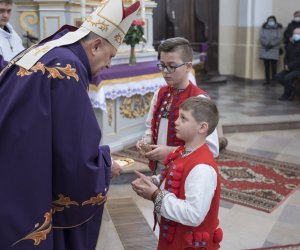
pixel 54 175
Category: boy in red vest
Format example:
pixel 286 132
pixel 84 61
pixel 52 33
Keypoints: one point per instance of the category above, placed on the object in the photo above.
pixel 188 203
pixel 176 55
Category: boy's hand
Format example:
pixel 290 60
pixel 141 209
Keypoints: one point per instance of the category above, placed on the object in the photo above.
pixel 143 146
pixel 143 186
pixel 138 145
pixel 159 152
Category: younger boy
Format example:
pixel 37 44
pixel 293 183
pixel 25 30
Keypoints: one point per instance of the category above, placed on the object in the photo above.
pixel 189 202
pixel 176 57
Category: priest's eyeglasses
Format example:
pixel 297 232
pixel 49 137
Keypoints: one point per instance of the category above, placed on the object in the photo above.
pixel 169 68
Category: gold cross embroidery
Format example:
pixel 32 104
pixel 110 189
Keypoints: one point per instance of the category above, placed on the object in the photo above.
pixel 118 38
pixel 103 26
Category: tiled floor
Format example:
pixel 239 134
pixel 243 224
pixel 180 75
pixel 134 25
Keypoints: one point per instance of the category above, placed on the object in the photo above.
pixel 255 123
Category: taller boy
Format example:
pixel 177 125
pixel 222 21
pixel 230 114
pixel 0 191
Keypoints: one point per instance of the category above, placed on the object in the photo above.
pixel 176 57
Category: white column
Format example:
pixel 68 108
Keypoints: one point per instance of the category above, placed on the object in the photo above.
pixel 82 9
pixel 143 10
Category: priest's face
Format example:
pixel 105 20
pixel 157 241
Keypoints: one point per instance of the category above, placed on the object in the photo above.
pixel 101 56
pixel 5 14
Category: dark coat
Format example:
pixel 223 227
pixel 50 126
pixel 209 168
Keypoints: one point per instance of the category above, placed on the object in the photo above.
pixel 288 33
pixel 292 56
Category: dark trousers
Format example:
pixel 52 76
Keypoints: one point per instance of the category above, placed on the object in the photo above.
pixel 270 64
pixel 286 78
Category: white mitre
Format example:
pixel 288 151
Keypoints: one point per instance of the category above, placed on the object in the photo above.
pixel 110 21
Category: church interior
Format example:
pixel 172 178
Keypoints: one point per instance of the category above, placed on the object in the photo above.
pixel 225 38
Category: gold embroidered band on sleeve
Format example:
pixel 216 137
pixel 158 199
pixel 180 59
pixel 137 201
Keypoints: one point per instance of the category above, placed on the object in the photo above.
pixel 54 72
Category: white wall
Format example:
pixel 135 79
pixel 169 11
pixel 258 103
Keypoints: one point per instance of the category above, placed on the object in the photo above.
pixel 240 23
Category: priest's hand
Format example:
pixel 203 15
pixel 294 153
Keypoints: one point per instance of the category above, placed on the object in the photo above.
pixel 115 169
pixel 143 186
pixel 159 152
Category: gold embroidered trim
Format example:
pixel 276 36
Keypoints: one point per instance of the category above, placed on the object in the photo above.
pixel 109 107
pixel 13 61
pixel 77 225
pixel 124 80
pixel 98 200
pixel 99 24
pixel 40 233
pixel 119 38
pixel 62 203
pixel 54 72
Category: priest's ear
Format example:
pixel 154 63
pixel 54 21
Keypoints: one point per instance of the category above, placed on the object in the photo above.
pixel 92 43
pixel 96 45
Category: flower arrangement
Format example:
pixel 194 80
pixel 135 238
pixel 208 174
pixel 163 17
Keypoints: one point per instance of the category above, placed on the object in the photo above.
pixel 135 33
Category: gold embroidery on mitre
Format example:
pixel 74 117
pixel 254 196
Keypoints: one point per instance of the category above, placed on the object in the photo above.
pixel 98 200
pixel 54 72
pixel 99 24
pixel 119 38
pixel 40 232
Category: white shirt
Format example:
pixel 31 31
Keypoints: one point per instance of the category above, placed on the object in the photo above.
pixel 212 140
pixel 199 187
pixel 10 43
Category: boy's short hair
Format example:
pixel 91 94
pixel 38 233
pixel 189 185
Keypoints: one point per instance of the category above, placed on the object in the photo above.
pixel 7 1
pixel 177 44
pixel 203 110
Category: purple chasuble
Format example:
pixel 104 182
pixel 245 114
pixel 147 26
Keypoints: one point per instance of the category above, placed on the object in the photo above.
pixel 54 175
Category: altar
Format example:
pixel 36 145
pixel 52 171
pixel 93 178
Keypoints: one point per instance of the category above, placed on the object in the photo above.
pixel 121 99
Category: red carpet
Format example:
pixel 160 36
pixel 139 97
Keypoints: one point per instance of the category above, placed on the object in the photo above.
pixel 256 182
pixel 248 180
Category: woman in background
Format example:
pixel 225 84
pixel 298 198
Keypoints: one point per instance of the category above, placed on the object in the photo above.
pixel 270 38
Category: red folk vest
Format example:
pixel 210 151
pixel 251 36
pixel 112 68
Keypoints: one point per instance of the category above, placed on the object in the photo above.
pixel 173 97
pixel 175 236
